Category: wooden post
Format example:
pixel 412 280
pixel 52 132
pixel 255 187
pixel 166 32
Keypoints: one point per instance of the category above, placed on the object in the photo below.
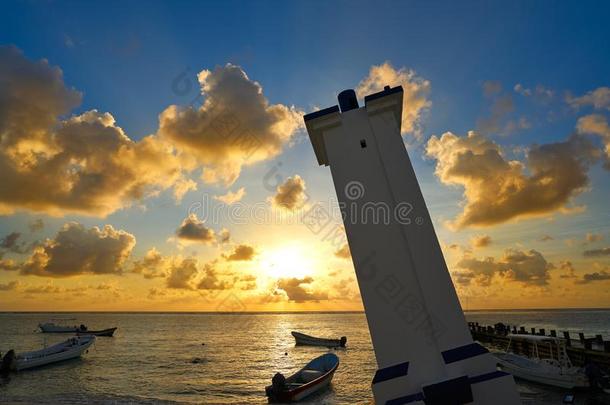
pixel 514 329
pixel 581 337
pixel 566 336
pixel 522 330
pixel 533 331
pixel 553 333
pixel 599 339
pixel 588 344
pixel 542 332
pixel 607 347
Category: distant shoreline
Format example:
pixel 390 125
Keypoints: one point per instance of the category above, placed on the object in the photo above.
pixel 290 312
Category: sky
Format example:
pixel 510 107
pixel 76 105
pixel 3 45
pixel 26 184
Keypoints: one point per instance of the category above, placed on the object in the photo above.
pixel 154 158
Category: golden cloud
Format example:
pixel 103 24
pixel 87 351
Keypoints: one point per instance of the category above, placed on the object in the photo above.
pixel 231 197
pixel 241 253
pixel 295 290
pixel 530 268
pixel 497 189
pixel 85 164
pixel 76 250
pixel 415 96
pixel 290 195
pixel 235 126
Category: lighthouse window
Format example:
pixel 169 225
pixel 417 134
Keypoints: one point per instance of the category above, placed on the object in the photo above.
pixel 363 143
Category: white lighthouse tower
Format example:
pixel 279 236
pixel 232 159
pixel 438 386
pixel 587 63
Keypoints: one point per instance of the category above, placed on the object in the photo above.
pixel 425 353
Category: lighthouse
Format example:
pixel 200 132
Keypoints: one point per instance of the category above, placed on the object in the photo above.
pixel 424 351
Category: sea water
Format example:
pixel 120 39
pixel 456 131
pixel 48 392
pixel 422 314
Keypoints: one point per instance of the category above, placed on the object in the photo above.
pixel 227 358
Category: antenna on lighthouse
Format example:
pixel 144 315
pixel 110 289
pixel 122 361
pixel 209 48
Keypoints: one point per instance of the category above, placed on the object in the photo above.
pixel 425 353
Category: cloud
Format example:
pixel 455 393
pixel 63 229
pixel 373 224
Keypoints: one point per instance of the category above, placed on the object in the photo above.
pixel 231 197
pixel 479 241
pixel 290 195
pixel 152 265
pixel 224 236
pixel 497 189
pixel 36 225
pixel 529 268
pixel 546 238
pixel 568 268
pixel 241 253
pixel 235 126
pixel 501 107
pixel 76 250
pixel 10 242
pixel 597 125
pixel 210 279
pixel 597 252
pixel 343 252
pixel 415 96
pixel 596 276
pixel 598 98
pixel 182 274
pixel 194 230
pixel 491 88
pixel 540 93
pixel 84 164
pixel 293 287
pixel 10 286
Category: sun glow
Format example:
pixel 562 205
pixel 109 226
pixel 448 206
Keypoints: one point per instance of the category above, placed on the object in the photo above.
pixel 287 261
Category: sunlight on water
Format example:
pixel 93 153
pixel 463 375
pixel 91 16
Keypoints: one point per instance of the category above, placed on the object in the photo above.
pixel 220 358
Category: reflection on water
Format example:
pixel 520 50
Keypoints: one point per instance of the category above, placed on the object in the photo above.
pixel 200 358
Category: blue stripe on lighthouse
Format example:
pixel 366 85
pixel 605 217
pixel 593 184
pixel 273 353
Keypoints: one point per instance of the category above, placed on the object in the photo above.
pixel 463 353
pixel 389 373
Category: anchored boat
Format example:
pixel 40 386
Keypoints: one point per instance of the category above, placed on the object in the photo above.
pixel 556 370
pixel 52 327
pixel 315 376
pixel 69 349
pixel 303 339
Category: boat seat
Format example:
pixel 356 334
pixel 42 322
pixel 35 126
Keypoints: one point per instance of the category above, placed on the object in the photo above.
pixel 310 375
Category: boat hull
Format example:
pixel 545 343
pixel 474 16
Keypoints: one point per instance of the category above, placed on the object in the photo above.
pixel 306 340
pixel 306 389
pixel 36 359
pixel 104 332
pixel 567 380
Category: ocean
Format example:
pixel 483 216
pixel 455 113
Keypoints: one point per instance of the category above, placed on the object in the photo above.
pixel 228 358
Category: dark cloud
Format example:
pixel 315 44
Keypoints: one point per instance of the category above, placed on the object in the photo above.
pixel 295 290
pixel 597 252
pixel 76 250
pixel 194 230
pixel 529 268
pixel 182 274
pixel 593 277
pixel 35 225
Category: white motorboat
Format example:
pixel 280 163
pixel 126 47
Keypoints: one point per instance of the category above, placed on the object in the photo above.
pixel 69 349
pixel 307 340
pixel 53 327
pixel 556 370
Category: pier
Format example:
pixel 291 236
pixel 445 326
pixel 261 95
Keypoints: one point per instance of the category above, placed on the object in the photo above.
pixel 581 349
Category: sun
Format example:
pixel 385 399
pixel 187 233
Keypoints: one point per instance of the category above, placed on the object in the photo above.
pixel 290 261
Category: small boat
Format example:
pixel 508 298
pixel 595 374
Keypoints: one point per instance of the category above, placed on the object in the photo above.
pixel 315 376
pixel 52 327
pixel 556 370
pixel 306 340
pixel 104 332
pixel 66 350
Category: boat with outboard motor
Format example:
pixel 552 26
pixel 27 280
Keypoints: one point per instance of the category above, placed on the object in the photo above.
pixel 68 349
pixel 315 376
